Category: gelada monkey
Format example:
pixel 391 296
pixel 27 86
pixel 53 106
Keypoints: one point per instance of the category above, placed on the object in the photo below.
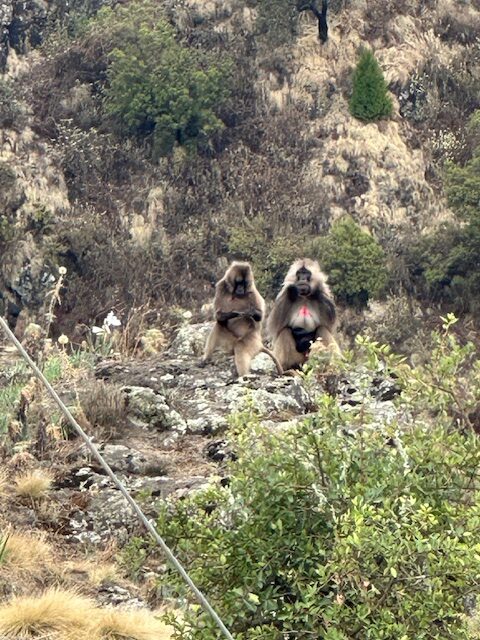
pixel 304 311
pixel 239 311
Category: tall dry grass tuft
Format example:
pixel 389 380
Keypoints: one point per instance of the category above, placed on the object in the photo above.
pixel 54 614
pixel 33 484
pixel 114 624
pixel 24 553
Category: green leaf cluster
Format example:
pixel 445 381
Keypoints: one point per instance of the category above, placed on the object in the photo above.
pixel 354 261
pixel 370 99
pixel 156 84
pixel 355 524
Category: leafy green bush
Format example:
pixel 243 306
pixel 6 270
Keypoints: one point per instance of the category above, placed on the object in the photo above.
pixel 359 523
pixel 447 260
pixel 12 114
pixel 353 260
pixel 156 85
pixel 370 100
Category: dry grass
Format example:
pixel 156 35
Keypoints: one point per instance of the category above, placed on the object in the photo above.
pixel 65 615
pixel 24 552
pixel 114 624
pixel 33 484
pixel 54 614
pixel 96 572
pixel 103 406
pixel 4 483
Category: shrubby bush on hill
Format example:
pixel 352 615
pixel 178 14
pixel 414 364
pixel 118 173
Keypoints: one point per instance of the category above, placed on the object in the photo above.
pixel 448 260
pixel 357 523
pixel 155 83
pixel 354 261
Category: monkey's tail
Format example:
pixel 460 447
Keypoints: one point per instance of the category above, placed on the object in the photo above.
pixel 274 358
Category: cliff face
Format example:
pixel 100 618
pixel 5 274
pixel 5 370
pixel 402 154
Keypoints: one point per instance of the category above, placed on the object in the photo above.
pixel 290 161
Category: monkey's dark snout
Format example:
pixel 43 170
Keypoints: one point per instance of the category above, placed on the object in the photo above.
pixel 303 289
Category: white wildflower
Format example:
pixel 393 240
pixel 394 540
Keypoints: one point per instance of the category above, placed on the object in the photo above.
pixel 98 330
pixel 111 320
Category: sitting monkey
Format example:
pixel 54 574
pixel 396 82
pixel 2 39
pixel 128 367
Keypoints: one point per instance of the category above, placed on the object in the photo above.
pixel 304 311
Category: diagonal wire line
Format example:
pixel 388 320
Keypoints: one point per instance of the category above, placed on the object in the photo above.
pixel 120 486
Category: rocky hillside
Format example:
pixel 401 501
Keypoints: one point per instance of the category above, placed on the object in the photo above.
pixel 289 161
pixel 163 426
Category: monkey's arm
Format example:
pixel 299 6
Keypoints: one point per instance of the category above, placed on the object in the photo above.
pixel 292 292
pixel 255 314
pixel 224 316
pixel 325 303
pixel 278 318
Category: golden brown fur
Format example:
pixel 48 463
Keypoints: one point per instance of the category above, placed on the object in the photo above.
pixel 304 311
pixel 239 311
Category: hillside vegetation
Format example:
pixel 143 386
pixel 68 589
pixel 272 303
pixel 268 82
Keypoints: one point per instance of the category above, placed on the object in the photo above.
pixel 143 145
pixel 175 135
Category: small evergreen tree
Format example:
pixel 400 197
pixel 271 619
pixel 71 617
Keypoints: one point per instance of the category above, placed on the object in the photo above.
pixel 370 100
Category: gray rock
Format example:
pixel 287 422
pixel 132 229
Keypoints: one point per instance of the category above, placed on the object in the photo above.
pixel 148 409
pixel 113 595
pixel 190 340
pixel 127 460
pixel 206 425
pixel 280 396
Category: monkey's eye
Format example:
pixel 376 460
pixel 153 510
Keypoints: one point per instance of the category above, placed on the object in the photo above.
pixel 304 275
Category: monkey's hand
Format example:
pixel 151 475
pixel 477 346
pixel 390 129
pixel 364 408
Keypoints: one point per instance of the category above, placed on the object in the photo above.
pixel 224 316
pixel 292 292
pixel 254 314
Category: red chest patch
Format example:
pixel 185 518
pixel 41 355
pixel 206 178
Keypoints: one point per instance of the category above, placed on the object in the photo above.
pixel 305 312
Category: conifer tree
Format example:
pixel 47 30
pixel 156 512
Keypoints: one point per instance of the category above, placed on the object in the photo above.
pixel 370 100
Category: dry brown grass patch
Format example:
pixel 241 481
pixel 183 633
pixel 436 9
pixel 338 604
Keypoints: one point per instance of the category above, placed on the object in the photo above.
pixel 54 614
pixel 114 624
pixel 22 552
pixel 33 484
pixel 96 572
pixel 4 483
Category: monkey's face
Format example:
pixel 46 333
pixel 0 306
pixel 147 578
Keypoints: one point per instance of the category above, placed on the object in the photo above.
pixel 240 287
pixel 239 279
pixel 303 278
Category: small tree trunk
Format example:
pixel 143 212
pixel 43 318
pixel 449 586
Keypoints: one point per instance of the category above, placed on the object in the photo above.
pixel 311 5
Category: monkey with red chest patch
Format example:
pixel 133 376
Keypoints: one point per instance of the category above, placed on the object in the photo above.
pixel 303 312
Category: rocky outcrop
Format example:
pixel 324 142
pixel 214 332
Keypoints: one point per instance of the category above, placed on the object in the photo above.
pixel 178 419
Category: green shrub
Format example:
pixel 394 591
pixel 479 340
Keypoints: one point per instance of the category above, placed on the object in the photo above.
pixel 354 262
pixel 447 260
pixel 12 114
pixel 370 99
pixel 358 523
pixel 156 85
